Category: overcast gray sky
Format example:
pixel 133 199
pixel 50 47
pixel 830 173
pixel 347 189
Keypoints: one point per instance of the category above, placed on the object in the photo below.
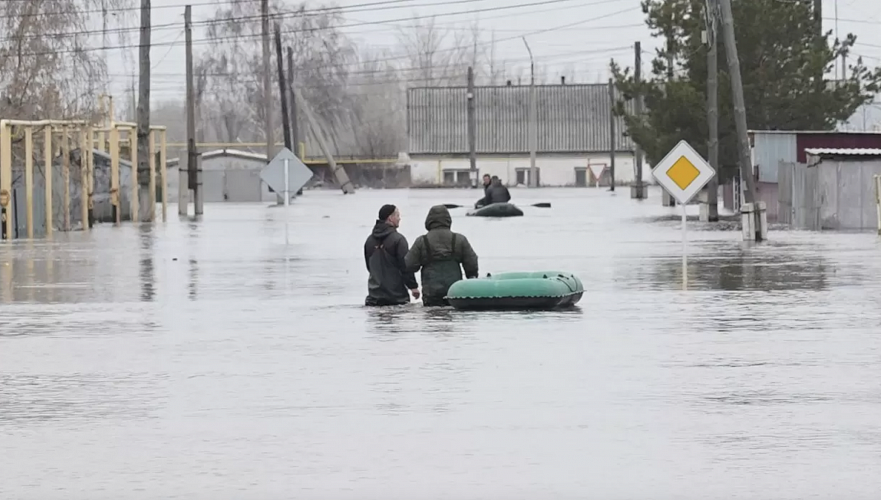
pixel 580 36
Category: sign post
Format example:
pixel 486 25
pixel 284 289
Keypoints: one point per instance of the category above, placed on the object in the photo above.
pixel 285 174
pixel 287 198
pixel 683 173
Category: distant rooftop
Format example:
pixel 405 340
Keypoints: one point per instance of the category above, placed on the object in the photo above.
pixel 817 132
pixel 843 152
pixel 235 153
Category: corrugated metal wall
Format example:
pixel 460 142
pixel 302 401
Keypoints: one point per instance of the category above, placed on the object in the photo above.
pixel 769 150
pixel 798 183
pixel 831 194
pixel 847 193
pixel 571 119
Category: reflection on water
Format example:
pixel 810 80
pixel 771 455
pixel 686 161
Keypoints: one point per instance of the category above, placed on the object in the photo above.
pixel 195 358
pixel 147 273
pixel 721 267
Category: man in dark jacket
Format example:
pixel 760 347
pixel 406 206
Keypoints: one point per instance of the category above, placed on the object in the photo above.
pixel 497 192
pixel 487 182
pixel 384 253
pixel 441 254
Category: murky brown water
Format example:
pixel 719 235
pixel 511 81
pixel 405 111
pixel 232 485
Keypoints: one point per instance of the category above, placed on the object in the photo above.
pixel 210 360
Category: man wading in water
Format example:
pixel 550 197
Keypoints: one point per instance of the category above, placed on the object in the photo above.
pixel 439 253
pixel 384 253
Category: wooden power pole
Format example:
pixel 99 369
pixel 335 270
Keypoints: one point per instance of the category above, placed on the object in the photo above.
pixel 283 90
pixel 292 110
pixel 713 110
pixel 637 191
pixel 472 133
pixel 746 168
pixel 145 162
pixel 612 134
pixel 192 179
pixel 292 102
pixel 338 171
pixel 267 81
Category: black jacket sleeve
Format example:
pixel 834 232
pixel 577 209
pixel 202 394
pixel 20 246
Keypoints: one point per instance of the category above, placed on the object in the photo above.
pixel 401 250
pixel 367 252
pixel 467 256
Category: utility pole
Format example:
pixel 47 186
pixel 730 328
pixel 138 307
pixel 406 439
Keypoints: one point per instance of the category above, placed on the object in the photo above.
pixel 282 90
pixel 819 78
pixel 746 169
pixel 637 190
pixel 472 133
pixel 292 102
pixel 267 81
pixel 712 110
pixel 145 162
pixel 285 117
pixel 133 103
pixel 191 179
pixel 338 171
pixel 533 118
pixel 292 110
pixel 612 133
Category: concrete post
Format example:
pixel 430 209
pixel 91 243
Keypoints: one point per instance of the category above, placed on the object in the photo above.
pixel 703 201
pixel 762 218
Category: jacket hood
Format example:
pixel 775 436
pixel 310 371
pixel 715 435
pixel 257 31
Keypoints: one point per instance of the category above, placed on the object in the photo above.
pixel 438 217
pixel 382 229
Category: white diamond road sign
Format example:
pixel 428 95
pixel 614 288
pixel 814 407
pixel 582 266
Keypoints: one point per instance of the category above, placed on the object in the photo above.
pixel 683 172
pixel 273 173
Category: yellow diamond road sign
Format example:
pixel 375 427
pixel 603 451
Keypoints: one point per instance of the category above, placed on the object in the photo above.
pixel 683 173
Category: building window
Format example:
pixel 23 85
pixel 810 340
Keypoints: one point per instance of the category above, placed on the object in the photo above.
pixel 449 177
pixel 457 177
pixel 523 176
pixel 580 177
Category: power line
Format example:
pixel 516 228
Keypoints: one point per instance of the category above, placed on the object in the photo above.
pixel 314 29
pixel 384 83
pixel 279 15
pixel 252 77
pixel 500 40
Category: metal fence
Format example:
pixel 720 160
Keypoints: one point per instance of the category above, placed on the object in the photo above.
pixel 829 194
pixel 570 119
pixel 798 196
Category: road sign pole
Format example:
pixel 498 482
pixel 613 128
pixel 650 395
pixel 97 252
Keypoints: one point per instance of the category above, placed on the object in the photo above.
pixel 684 248
pixel 683 173
pixel 287 183
pixel 287 199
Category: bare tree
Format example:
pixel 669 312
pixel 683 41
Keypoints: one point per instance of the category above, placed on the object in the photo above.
pixel 436 56
pixel 47 68
pixel 379 113
pixel 233 66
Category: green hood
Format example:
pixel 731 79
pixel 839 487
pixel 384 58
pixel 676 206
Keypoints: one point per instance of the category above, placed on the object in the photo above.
pixel 438 218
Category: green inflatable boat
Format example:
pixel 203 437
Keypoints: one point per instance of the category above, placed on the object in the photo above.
pixel 496 210
pixel 519 290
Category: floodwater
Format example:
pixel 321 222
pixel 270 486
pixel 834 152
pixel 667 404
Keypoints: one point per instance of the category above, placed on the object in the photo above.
pixel 211 360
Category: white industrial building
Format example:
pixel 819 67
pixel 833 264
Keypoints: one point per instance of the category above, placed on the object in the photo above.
pixel 573 133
